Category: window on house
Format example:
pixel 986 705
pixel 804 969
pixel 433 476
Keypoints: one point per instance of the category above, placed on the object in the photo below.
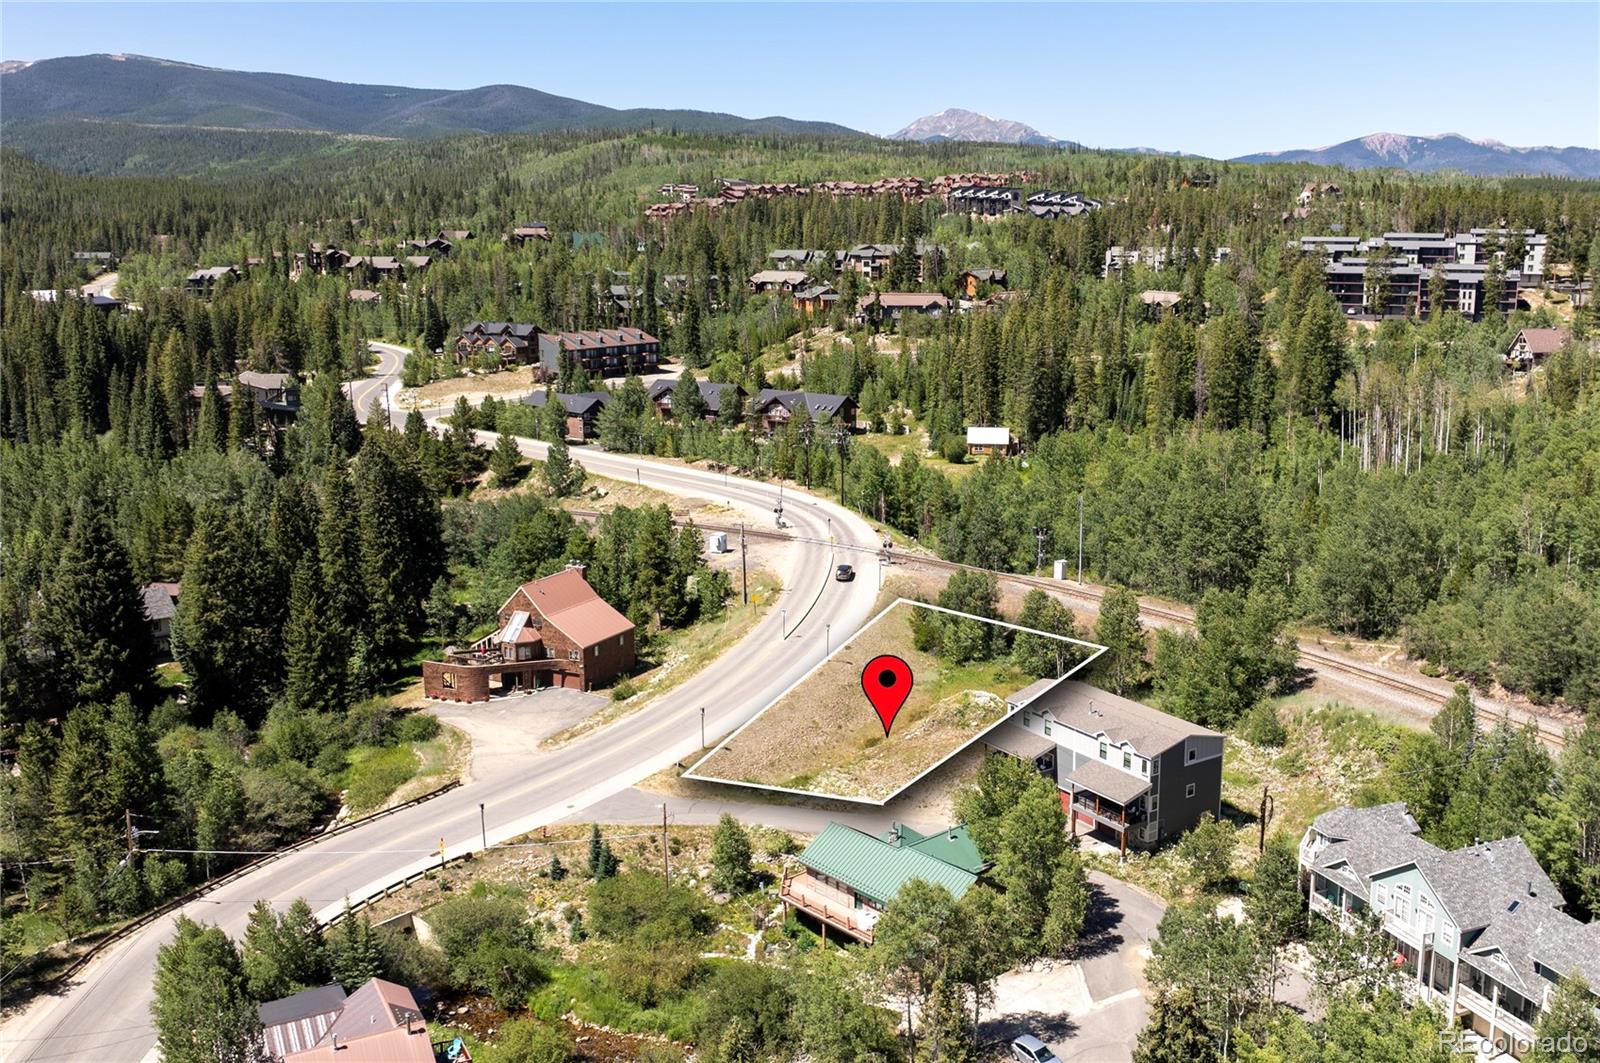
pixel 1127 760
pixel 574 655
pixel 1102 751
pixel 1188 791
pixel 1193 752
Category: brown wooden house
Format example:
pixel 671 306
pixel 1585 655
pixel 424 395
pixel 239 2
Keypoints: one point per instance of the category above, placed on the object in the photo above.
pixel 554 631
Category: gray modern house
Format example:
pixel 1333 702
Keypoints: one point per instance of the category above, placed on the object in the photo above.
pixel 1480 930
pixel 1130 774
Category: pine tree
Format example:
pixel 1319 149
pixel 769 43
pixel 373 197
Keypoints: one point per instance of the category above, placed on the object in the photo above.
pixel 562 475
pixel 602 861
pixel 1066 907
pixel 506 461
pixel 228 645
pixel 202 1010
pixel 94 614
pixel 82 804
pixel 315 646
pixel 688 405
pixel 1176 1032
pixel 283 954
pixel 211 431
pixel 354 956
pixel 244 429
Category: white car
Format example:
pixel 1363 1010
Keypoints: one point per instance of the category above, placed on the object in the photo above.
pixel 1029 1049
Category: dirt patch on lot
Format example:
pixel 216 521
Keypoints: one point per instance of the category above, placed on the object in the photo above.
pixel 824 737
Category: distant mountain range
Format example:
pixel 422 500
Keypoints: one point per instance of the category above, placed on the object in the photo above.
pixel 1447 151
pixel 135 88
pixel 56 99
pixel 953 123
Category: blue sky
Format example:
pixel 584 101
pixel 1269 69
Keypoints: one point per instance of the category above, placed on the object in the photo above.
pixel 1218 79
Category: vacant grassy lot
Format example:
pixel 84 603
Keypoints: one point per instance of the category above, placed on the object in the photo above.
pixel 823 736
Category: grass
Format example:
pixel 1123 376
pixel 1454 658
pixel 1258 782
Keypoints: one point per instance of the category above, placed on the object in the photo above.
pixel 376 777
pixel 681 654
pixel 823 735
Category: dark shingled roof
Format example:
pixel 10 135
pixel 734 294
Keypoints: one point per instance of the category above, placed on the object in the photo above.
pixel 1107 781
pixel 1094 711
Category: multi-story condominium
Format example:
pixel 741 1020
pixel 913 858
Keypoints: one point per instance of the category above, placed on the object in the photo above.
pixel 1474 245
pixel 985 201
pixel 510 341
pixel 606 352
pixel 1129 774
pixel 1407 288
pixel 1480 930
pixel 1331 248
pixel 988 201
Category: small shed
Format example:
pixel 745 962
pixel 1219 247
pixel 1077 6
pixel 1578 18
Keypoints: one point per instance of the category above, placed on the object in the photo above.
pixel 990 440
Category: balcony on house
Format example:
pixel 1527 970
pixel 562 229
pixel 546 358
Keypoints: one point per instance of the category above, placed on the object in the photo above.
pixel 829 904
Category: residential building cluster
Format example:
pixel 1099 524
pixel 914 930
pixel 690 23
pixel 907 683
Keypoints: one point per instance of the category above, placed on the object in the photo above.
pixel 1129 775
pixel 1400 274
pixel 987 201
pixel 769 412
pixel 601 352
pixel 1480 931
pixel 686 197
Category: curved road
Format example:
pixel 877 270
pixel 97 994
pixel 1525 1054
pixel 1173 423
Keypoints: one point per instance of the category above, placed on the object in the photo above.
pixel 104 1014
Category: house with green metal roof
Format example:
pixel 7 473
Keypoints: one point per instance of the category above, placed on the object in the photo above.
pixel 848 876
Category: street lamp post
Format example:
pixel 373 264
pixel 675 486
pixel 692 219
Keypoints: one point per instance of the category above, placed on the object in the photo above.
pixel 702 727
pixel 483 826
pixel 827 638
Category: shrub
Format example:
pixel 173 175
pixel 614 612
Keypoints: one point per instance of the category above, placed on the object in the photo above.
pixel 637 906
pixel 954 449
pixel 623 690
pixel 650 976
pixel 408 961
pixel 416 727
pixel 459 923
pixel 1263 727
pixel 530 1041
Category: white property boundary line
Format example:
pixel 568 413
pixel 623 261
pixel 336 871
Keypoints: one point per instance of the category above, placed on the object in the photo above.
pixel 692 773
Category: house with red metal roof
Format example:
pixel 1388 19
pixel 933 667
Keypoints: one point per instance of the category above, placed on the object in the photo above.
pixel 554 631
pixel 378 1023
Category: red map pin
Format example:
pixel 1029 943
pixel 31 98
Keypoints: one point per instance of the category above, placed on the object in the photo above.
pixel 887 682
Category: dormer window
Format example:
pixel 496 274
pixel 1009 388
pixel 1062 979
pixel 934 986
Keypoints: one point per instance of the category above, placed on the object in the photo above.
pixel 1102 751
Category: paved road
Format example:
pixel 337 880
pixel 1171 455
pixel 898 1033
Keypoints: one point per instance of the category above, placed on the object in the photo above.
pixel 104 1015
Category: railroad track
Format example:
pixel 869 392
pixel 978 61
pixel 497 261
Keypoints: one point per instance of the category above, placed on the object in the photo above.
pixel 1316 659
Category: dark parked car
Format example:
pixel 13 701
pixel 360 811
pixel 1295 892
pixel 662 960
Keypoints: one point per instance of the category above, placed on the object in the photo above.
pixel 844 574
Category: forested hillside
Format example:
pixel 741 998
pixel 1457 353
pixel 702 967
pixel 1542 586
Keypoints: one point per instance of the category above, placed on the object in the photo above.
pixel 1254 451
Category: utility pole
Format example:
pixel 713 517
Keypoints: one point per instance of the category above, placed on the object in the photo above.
pixel 744 564
pixel 1080 538
pixel 666 866
pixel 1267 808
pixel 133 836
pixel 1039 533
